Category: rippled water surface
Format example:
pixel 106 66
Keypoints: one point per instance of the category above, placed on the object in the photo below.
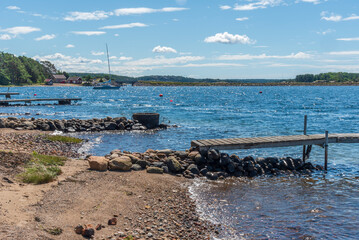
pixel 322 206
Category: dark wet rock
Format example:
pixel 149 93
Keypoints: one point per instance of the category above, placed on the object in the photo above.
pixel 231 167
pixel 142 163
pixel 212 175
pixel 224 160
pixel 158 164
pixel 252 173
pixel 203 171
pixel 213 155
pixel 308 165
pixel 199 159
pixel 193 169
pixel 165 169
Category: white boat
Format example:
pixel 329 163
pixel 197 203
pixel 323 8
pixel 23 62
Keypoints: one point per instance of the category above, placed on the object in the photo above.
pixel 107 85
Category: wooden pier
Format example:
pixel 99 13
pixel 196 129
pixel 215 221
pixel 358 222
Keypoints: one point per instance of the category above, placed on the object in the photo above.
pixel 307 141
pixel 61 101
pixel 8 94
pixel 275 141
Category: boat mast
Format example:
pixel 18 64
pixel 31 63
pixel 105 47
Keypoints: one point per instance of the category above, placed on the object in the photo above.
pixel 108 61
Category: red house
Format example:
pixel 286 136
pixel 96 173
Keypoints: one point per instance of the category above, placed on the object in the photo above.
pixel 74 80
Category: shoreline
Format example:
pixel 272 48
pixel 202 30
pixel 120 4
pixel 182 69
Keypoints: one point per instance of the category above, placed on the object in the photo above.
pixel 143 205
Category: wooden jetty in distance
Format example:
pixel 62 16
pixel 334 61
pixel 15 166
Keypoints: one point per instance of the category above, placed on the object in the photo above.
pixel 61 101
pixel 8 94
pixel 279 141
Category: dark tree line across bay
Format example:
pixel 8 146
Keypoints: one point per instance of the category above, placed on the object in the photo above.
pixel 329 77
pixel 26 71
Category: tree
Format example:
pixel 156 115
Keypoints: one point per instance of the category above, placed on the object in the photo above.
pixel 66 75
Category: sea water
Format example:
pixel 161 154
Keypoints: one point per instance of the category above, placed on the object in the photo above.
pixel 320 206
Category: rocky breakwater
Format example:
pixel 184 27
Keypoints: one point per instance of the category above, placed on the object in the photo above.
pixel 75 125
pixel 191 163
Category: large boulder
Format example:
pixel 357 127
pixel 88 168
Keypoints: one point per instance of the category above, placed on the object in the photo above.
pixel 98 163
pixel 213 155
pixel 122 163
pixel 173 165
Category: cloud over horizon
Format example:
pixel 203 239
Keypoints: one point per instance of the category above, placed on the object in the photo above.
pixel 228 38
pixel 159 49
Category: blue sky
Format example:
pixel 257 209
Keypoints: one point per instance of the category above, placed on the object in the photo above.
pixel 193 38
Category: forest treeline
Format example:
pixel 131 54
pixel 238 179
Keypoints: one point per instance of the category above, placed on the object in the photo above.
pixel 340 77
pixel 23 70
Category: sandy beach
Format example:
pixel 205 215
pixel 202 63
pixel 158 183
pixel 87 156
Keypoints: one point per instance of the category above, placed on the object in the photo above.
pixel 146 206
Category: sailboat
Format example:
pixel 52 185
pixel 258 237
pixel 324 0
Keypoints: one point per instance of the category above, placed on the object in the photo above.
pixel 107 85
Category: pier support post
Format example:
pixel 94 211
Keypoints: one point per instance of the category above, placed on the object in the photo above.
pixel 326 151
pixel 305 133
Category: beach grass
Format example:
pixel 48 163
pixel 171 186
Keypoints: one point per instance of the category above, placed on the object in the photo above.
pixel 65 139
pixel 42 169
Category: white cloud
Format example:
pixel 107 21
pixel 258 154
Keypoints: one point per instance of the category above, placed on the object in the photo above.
pixel 163 49
pixel 97 53
pixel 123 58
pixel 5 37
pixel 164 61
pixel 85 16
pixel 242 19
pixel 46 37
pixel 310 1
pixel 336 17
pixel 88 33
pixel 225 7
pixel 70 63
pixel 229 39
pixel 345 53
pixel 352 17
pixel 129 25
pixel 70 46
pixel 20 30
pixel 348 39
pixel 257 5
pixel 214 65
pixel 299 55
pixel 13 8
pixel 326 32
pixel 142 10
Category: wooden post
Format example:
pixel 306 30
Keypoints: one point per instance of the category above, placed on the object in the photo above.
pixel 305 133
pixel 326 151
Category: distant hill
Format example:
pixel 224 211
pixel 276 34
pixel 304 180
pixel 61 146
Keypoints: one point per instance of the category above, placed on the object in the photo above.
pixel 160 78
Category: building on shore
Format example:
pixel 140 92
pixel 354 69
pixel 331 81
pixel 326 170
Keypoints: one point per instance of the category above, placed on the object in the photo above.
pixel 59 78
pixel 48 81
pixel 74 80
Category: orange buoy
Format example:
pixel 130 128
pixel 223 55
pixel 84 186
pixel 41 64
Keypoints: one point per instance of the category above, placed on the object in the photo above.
pixel 161 95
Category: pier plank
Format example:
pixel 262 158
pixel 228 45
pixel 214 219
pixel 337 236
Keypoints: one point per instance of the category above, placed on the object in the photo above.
pixel 275 141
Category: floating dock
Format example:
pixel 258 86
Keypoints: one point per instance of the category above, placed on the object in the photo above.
pixel 61 101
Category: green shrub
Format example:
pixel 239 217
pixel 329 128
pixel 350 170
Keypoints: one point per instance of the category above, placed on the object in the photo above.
pixel 42 169
pixel 65 139
pixel 37 173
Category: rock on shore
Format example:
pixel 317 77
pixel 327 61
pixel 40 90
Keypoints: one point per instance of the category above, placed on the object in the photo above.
pixel 74 125
pixel 211 164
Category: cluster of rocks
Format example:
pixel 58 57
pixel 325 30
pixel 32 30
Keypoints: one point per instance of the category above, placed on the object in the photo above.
pixel 191 163
pixel 88 230
pixel 74 125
